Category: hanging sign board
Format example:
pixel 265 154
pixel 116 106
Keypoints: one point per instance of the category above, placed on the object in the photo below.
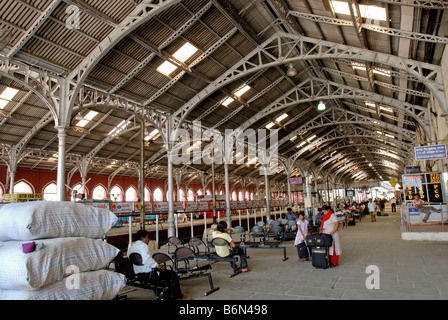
pixel 430 152
pixel 297 180
pixel 414 169
pixel 393 182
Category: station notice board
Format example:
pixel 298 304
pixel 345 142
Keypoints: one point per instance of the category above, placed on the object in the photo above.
pixel 19 197
pixel 430 187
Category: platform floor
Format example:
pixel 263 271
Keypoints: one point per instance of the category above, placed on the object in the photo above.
pixel 408 270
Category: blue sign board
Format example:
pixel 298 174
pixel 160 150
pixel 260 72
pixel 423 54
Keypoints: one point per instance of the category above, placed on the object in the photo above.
pixel 430 152
pixel 414 169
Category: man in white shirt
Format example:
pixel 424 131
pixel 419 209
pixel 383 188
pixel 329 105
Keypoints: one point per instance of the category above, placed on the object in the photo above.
pixel 372 205
pixel 150 271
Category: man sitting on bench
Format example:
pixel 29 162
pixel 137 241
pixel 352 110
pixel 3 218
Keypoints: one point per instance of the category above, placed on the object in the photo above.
pixel 151 271
pixel 224 251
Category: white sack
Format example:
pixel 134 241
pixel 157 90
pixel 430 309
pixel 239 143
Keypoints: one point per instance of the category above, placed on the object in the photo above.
pixel 53 219
pixel 93 285
pixel 28 271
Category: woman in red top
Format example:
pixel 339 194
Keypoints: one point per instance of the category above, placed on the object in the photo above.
pixel 330 225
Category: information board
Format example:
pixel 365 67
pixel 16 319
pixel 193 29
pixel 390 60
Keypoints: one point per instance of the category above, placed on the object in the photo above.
pixel 427 185
pixel 430 152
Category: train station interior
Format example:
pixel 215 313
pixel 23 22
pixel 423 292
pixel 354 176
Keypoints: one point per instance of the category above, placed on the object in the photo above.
pixel 173 116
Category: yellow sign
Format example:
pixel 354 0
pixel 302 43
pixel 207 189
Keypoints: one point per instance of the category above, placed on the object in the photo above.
pixel 23 196
pixel 393 182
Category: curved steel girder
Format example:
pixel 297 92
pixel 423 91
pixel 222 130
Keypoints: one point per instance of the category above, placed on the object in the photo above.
pixel 261 57
pixel 142 13
pixel 322 166
pixel 46 81
pixel 364 146
pixel 336 116
pixel 336 135
pixel 350 171
pixel 95 98
pixel 318 89
pixel 359 162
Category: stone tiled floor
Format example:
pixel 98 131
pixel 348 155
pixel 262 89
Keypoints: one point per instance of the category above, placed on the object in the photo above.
pixel 408 270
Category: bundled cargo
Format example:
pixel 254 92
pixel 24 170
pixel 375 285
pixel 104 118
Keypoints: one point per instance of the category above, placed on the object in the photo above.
pixel 93 285
pixel 53 250
pixel 53 219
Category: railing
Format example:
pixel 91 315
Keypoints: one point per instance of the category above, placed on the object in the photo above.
pixel 411 218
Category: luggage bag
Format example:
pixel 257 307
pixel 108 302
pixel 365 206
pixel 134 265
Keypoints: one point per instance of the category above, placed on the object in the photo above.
pixel 303 251
pixel 320 257
pixel 319 240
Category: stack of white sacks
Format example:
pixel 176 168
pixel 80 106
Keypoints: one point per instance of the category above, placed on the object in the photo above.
pixel 54 251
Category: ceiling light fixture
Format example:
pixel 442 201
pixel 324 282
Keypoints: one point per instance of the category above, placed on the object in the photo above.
pixel 291 72
pixel 321 106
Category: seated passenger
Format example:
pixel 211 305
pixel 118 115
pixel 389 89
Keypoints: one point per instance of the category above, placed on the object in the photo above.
pixel 151 271
pixel 221 232
pixel 290 215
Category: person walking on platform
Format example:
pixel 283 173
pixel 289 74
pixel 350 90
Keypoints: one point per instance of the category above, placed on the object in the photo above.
pixel 418 204
pixel 330 225
pixel 372 207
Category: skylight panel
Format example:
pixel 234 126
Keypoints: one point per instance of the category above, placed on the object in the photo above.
pixel 82 123
pixel 90 115
pixel 340 7
pixel 310 138
pixel 166 68
pixel 381 71
pixel 120 127
pixel 372 12
pixel 7 95
pixel 386 109
pixel 366 11
pixel 282 117
pixel 85 120
pixel 242 91
pixel 152 134
pixel 227 101
pixel 185 52
pixel 270 125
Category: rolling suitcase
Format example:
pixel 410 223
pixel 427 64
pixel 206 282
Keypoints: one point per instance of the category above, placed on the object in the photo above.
pixel 303 251
pixel 319 240
pixel 320 257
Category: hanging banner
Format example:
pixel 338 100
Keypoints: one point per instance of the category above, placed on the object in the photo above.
pixel 160 206
pixel 122 207
pixel 191 205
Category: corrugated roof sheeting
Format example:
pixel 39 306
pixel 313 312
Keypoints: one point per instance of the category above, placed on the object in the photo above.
pixel 57 44
pixel 116 10
pixel 17 14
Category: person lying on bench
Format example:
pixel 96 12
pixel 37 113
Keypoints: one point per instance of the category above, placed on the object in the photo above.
pixel 224 251
pixel 151 271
